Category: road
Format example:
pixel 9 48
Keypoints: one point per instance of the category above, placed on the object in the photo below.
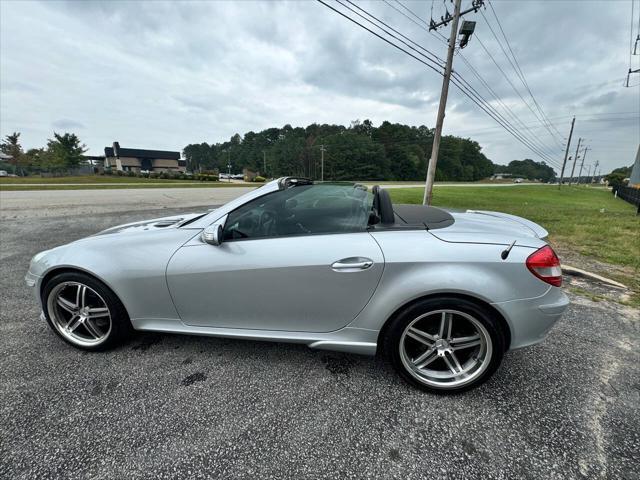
pixel 169 406
pixel 42 203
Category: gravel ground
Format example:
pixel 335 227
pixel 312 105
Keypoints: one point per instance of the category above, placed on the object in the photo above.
pixel 168 406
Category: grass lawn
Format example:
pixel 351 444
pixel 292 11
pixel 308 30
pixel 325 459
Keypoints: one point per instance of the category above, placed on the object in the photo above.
pixel 584 224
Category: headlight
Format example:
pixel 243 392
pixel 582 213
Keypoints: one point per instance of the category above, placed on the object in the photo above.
pixel 38 256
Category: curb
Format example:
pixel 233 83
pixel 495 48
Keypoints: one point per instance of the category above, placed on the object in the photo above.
pixel 577 272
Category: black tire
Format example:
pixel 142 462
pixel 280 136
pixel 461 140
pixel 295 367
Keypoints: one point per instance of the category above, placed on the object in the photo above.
pixel 393 335
pixel 120 326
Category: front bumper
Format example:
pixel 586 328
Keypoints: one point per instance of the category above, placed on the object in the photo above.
pixel 33 282
pixel 531 319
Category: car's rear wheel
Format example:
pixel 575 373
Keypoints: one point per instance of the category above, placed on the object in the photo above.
pixel 84 312
pixel 445 345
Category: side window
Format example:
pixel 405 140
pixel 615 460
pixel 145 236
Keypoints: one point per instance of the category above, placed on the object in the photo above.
pixel 302 210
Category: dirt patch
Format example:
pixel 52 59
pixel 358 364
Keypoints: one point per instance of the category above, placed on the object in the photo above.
pixel 628 276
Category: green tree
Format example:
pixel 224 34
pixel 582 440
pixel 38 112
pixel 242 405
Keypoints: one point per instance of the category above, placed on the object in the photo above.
pixel 11 146
pixel 618 175
pixel 64 151
pixel 528 169
pixel 361 151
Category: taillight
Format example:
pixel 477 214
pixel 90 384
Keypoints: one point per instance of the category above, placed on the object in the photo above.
pixel 545 265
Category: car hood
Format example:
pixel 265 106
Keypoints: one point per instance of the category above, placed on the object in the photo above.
pixel 164 223
pixel 481 226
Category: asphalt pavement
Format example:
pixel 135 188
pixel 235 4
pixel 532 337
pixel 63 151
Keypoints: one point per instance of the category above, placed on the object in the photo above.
pixel 170 406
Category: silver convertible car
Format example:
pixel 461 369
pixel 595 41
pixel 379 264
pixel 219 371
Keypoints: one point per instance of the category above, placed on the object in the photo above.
pixel 334 266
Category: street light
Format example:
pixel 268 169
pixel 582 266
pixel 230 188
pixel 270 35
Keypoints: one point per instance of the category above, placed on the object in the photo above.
pixel 228 163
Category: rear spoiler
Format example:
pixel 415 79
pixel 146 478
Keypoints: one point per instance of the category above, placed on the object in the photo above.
pixel 534 227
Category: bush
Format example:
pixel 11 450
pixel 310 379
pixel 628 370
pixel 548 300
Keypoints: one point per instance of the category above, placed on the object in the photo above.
pixel 205 178
pixel 259 179
pixel 119 173
pixel 130 173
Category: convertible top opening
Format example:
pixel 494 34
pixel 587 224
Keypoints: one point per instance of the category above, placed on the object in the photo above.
pixel 408 216
pixel 386 214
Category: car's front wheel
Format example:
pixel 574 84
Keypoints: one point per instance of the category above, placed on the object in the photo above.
pixel 84 312
pixel 445 345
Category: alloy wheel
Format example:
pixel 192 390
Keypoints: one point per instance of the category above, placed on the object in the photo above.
pixel 445 348
pixel 79 313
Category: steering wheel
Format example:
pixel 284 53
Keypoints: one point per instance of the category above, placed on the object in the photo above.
pixel 266 217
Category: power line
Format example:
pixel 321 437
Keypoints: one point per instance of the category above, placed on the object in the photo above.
pixel 476 74
pixel 474 71
pixel 499 100
pixel 519 69
pixel 471 92
pixel 631 34
pixel 511 83
pixel 463 88
pixel 541 117
pixel 432 32
pixel 433 57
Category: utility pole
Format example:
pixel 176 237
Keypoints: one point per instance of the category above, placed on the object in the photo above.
pixel 575 159
pixel 433 160
pixel 594 171
pixel 322 150
pixel 566 152
pixel 431 169
pixel 229 163
pixel 264 162
pixel 584 154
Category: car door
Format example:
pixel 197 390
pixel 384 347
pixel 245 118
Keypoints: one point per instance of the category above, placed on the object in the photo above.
pixel 283 265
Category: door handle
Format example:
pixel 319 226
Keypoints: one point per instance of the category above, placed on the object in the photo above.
pixel 352 264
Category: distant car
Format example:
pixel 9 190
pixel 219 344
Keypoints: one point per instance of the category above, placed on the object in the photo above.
pixel 335 266
pixel 3 173
pixel 518 180
pixel 223 175
pixel 237 176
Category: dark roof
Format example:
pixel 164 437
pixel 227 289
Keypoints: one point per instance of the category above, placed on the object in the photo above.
pixel 140 153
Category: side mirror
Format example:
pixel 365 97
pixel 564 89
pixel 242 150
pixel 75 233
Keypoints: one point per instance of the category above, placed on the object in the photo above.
pixel 213 233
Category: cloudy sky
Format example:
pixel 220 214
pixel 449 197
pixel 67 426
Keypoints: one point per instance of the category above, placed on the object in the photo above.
pixel 161 75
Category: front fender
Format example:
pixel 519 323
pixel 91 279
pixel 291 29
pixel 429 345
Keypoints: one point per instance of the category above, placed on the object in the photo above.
pixel 132 265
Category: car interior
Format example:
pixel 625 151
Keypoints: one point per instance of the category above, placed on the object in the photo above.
pixel 324 208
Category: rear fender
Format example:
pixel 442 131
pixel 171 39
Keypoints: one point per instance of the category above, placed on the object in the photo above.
pixel 421 266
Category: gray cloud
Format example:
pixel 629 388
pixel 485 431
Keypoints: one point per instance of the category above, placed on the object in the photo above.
pixel 66 124
pixel 164 74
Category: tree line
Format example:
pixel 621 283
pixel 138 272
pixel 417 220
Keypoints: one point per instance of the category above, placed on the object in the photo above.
pixel 528 169
pixel 63 152
pixel 360 151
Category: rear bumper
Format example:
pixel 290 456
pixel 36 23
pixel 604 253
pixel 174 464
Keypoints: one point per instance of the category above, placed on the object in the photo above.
pixel 531 319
